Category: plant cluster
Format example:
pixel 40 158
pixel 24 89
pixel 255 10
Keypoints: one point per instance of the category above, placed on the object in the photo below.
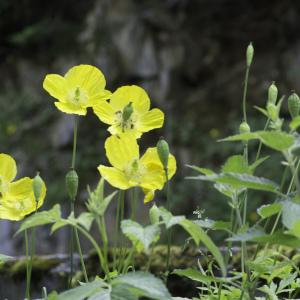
pixel 264 271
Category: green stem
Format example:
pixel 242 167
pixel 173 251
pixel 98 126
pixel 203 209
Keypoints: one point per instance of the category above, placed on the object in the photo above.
pixel 116 233
pixel 27 293
pixel 169 209
pixel 79 247
pixel 245 94
pixel 123 250
pixel 133 203
pixel 74 142
pixel 102 230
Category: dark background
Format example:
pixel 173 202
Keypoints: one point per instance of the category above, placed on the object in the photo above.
pixel 190 57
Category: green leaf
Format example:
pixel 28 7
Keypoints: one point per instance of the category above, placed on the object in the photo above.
pixel 196 275
pixel 290 214
pixel 169 219
pixel 59 224
pixel 144 284
pixel 141 237
pixel 276 140
pixel 242 181
pixel 199 235
pixel 279 238
pixel 236 164
pixel 85 220
pixel 41 218
pixel 262 110
pixel 266 211
pixel 295 123
pixel 249 235
pixel 201 170
pixel 5 258
pixel 154 214
pixel 84 291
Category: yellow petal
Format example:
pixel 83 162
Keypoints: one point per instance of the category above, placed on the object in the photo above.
pixel 21 188
pixel 115 177
pixel 121 150
pixel 8 168
pixel 115 130
pixel 153 178
pixel 90 78
pixel 151 157
pixel 151 120
pixel 10 214
pixel 56 86
pixel 96 99
pixel 135 94
pixel 149 195
pixel 105 112
pixel 70 108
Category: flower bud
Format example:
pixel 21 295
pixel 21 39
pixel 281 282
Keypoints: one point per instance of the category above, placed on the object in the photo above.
pixel 272 93
pixel 127 111
pixel 154 214
pixel 244 127
pixel 249 55
pixel 294 105
pixel 37 186
pixel 72 184
pixel 272 111
pixel 163 152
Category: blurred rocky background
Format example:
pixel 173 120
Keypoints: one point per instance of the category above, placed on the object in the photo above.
pixel 188 54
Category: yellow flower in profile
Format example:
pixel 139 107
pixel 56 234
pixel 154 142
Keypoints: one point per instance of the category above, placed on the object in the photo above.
pixel 128 110
pixel 130 170
pixel 83 86
pixel 16 197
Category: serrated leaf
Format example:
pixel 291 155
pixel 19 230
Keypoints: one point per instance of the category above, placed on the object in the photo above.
pixel 141 237
pixel 41 218
pixel 295 123
pixel 279 238
pixel 238 181
pixel 201 170
pixel 276 140
pixel 266 211
pixel 199 235
pixel 144 284
pixel 236 164
pixel 85 219
pixel 84 291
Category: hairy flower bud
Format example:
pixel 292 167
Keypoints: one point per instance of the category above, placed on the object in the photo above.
pixel 37 186
pixel 244 127
pixel 272 111
pixel 163 152
pixel 249 55
pixel 272 94
pixel 72 184
pixel 294 105
pixel 127 111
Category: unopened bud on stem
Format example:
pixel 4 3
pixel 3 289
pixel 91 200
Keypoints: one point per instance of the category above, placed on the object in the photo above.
pixel 249 55
pixel 72 184
pixel 294 105
pixel 272 93
pixel 37 186
pixel 163 152
pixel 244 127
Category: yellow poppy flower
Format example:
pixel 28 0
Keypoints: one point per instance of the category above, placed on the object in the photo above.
pixel 128 110
pixel 82 86
pixel 130 170
pixel 16 197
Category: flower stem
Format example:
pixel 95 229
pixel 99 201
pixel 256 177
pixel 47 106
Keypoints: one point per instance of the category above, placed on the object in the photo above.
pixel 168 208
pixel 27 293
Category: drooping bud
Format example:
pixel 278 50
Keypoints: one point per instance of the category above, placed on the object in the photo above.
pixel 294 105
pixel 249 55
pixel 127 112
pixel 72 184
pixel 244 127
pixel 163 152
pixel 37 186
pixel 272 94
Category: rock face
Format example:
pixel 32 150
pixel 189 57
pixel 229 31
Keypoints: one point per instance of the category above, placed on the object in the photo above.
pixel 188 54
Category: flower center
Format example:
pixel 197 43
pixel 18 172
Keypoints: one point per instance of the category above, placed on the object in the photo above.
pixel 78 96
pixel 126 118
pixel 135 170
